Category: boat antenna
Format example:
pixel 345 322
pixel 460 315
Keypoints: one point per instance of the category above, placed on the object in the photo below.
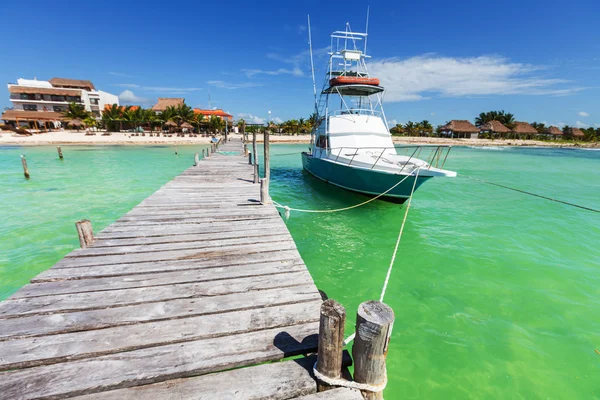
pixel 367 30
pixel 312 65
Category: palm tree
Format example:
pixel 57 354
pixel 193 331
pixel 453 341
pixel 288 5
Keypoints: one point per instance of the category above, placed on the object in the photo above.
pixel 507 119
pixel 397 130
pixel 215 123
pixel 198 120
pixel 426 128
pixel 111 115
pixel 76 111
pixel 410 128
pixel 184 113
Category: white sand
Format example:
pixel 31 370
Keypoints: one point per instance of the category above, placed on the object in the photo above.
pixel 74 137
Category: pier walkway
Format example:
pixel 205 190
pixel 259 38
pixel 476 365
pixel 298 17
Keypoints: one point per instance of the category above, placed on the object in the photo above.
pixel 190 295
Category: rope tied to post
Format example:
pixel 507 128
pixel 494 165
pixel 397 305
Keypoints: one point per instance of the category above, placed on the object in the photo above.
pixel 350 384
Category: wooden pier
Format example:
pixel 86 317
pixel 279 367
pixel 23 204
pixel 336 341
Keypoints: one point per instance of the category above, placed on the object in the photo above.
pixel 191 295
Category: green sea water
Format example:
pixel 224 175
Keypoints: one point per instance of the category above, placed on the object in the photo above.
pixel 496 293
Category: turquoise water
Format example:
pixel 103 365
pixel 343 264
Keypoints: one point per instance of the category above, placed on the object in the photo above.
pixel 496 293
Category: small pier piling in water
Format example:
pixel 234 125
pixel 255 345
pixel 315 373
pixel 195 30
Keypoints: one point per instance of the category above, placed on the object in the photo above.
pixel 194 293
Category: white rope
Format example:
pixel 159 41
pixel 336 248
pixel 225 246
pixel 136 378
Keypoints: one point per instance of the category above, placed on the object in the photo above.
pixel 351 384
pixel 345 208
pixel 389 271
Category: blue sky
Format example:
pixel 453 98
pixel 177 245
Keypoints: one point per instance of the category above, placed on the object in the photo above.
pixel 439 60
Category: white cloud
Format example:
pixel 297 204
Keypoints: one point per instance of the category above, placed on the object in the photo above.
pixel 392 122
pixel 580 124
pixel 301 29
pixel 128 97
pixel 583 114
pixel 159 89
pixel 597 125
pixel 560 124
pixel 432 114
pixel 277 120
pixel 281 71
pixel 252 119
pixel 418 77
pixel 229 85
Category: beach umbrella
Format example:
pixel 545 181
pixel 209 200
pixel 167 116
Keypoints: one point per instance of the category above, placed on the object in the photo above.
pixel 170 123
pixel 186 125
pixel 77 122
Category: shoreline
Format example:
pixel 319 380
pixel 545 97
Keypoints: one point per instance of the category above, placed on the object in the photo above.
pixel 65 138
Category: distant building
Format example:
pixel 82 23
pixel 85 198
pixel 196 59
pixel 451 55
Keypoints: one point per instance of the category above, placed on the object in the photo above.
pixel 164 102
pixel 494 128
pixel 461 129
pixel 576 133
pixel 217 113
pixel 524 129
pixel 45 101
pixel 554 132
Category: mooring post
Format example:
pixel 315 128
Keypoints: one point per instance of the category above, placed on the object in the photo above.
pixel 197 158
pixel 264 191
pixel 84 230
pixel 59 152
pixel 267 161
pixel 249 158
pixel 331 342
pixel 25 170
pixel 256 177
pixel 374 322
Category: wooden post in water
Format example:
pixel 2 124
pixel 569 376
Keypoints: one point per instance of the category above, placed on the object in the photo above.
pixel 331 342
pixel 264 191
pixel 256 177
pixel 267 163
pixel 197 158
pixel 373 328
pixel 59 152
pixel 255 157
pixel 25 170
pixel 249 158
pixel 84 230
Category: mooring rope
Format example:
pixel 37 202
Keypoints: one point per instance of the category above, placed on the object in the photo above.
pixel 351 384
pixel 288 209
pixel 534 194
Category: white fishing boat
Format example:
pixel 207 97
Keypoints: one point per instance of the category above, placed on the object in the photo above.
pixel 351 144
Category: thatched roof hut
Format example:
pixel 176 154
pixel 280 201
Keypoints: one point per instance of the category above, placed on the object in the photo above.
pixel 72 83
pixel 577 132
pixel 164 102
pixel 460 126
pixel 187 125
pixel 18 115
pixel 553 130
pixel 524 128
pixel 170 123
pixel 494 127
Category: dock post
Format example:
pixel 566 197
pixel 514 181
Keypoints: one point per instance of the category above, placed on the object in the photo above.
pixel 331 342
pixel 25 170
pixel 256 177
pixel 264 191
pixel 249 158
pixel 197 158
pixel 374 322
pixel 84 230
pixel 267 161
pixel 59 152
pixel 254 152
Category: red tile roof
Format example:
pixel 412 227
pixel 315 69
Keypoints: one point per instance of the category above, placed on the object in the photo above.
pixel 218 113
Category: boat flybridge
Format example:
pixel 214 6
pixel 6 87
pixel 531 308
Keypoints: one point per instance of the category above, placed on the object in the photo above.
pixel 351 145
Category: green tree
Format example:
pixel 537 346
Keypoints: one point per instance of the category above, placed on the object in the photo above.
pixel 76 111
pixel 215 123
pixel 503 117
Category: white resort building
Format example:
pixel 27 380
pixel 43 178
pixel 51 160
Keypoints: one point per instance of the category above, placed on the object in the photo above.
pixel 43 102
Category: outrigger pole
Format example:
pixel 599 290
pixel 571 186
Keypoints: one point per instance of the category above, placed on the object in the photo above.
pixel 312 65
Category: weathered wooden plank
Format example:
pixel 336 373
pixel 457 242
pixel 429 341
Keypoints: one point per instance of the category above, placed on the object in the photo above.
pixel 276 381
pixel 180 245
pixel 176 254
pixel 250 235
pixel 40 325
pixel 155 279
pixel 95 300
pixel 101 271
pixel 157 364
pixel 29 352
pixel 209 226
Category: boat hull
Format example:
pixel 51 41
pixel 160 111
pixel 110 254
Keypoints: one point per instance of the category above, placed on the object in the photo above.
pixel 366 181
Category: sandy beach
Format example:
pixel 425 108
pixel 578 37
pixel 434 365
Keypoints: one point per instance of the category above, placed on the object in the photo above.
pixel 126 138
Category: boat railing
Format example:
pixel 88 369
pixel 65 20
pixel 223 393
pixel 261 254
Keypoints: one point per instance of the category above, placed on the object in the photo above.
pixel 434 156
pixel 357 111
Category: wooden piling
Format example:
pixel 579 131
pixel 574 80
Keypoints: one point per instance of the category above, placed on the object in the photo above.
pixel 256 177
pixel 255 157
pixel 331 342
pixel 84 230
pixel 60 155
pixel 264 191
pixel 373 328
pixel 249 158
pixel 197 158
pixel 25 170
pixel 266 155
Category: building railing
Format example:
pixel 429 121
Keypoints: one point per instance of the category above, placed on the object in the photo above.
pixel 433 156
